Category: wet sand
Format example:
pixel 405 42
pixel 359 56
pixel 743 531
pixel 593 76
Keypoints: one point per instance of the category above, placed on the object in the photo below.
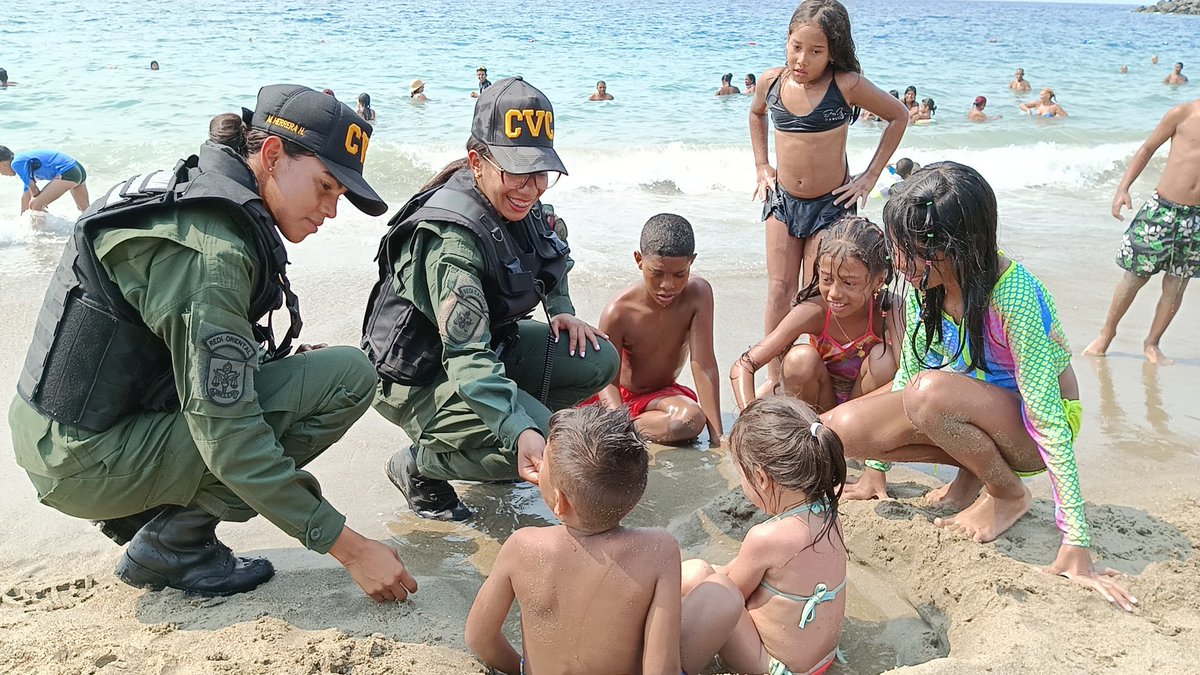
pixel 918 597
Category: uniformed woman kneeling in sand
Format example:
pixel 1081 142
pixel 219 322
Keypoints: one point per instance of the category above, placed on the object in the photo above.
pixel 154 399
pixel 465 262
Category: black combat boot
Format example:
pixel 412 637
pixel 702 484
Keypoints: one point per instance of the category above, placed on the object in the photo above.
pixel 121 530
pixel 427 497
pixel 179 548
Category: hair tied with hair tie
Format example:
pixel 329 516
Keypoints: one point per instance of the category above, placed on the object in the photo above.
pixel 813 429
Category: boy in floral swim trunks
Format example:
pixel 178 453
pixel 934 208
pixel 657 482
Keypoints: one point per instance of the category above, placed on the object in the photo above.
pixel 656 323
pixel 1165 234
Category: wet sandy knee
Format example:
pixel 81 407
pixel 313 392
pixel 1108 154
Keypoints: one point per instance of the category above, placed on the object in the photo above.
pixel 846 421
pixel 928 398
pixel 801 364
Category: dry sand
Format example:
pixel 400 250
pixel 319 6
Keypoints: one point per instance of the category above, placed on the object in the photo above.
pixel 919 599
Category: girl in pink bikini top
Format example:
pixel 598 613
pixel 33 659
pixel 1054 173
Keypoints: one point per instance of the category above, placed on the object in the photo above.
pixel 829 342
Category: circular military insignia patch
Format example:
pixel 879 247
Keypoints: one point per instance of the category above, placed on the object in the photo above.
pixel 463 315
pixel 225 375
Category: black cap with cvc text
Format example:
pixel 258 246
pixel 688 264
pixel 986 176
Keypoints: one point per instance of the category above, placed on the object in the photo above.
pixel 326 126
pixel 516 121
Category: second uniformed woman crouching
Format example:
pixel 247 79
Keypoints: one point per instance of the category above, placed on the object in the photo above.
pixel 463 265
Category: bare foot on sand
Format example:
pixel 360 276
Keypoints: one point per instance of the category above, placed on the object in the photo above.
pixel 988 517
pixel 1155 355
pixel 1099 346
pixel 872 484
pixel 959 493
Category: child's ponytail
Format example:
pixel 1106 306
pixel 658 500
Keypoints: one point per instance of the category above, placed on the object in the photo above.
pixel 784 438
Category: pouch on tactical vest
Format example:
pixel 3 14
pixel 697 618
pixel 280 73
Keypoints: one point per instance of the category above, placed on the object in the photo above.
pixel 93 360
pixel 405 344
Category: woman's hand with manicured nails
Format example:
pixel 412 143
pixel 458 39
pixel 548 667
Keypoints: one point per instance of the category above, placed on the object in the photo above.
pixel 579 333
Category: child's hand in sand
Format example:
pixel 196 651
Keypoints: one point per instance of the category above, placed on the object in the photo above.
pixel 1075 563
pixel 872 484
pixel 375 567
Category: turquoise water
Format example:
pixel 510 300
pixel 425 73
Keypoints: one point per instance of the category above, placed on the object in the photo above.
pixel 665 143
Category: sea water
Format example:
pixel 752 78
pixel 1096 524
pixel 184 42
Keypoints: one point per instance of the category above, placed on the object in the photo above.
pixel 666 143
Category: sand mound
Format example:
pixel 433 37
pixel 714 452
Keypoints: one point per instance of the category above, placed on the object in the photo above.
pixel 990 608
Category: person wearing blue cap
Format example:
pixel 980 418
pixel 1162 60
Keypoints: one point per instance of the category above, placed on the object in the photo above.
pixel 470 380
pixel 155 398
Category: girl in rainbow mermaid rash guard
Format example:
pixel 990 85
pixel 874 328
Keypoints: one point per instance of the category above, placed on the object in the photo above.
pixel 985 380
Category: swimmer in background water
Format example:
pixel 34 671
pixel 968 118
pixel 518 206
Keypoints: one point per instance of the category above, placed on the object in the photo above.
pixel 1176 77
pixel 923 113
pixel 416 91
pixel 976 114
pixel 365 110
pixel 1045 106
pixel 751 84
pixel 903 168
pixel 1124 70
pixel 484 82
pixel 601 93
pixel 910 97
pixel 868 116
pixel 1020 83
pixel 154 65
pixel 727 88
pixel 4 81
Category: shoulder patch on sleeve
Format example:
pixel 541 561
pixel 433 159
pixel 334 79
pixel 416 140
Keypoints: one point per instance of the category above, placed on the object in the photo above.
pixel 463 314
pixel 226 375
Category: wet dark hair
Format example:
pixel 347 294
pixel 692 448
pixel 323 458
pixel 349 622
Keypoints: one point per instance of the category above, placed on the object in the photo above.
pixel 441 177
pixel 834 21
pixel 230 130
pixel 601 82
pixel 894 93
pixel 928 103
pixel 3 76
pixel 364 99
pixel 727 78
pixel 775 434
pixel 599 461
pixel 904 167
pixel 750 76
pixel 912 88
pixel 667 235
pixel 6 155
pixel 853 237
pixel 947 210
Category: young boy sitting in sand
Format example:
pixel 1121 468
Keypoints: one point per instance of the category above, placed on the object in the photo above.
pixel 595 597
pixel 656 324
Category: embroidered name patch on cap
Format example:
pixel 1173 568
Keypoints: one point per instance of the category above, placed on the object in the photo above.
pixel 528 121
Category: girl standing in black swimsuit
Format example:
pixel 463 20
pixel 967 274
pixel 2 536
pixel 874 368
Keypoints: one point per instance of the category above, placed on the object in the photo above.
pixel 812 102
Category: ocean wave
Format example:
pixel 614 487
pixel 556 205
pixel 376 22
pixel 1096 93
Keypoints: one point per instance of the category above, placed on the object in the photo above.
pixel 693 170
